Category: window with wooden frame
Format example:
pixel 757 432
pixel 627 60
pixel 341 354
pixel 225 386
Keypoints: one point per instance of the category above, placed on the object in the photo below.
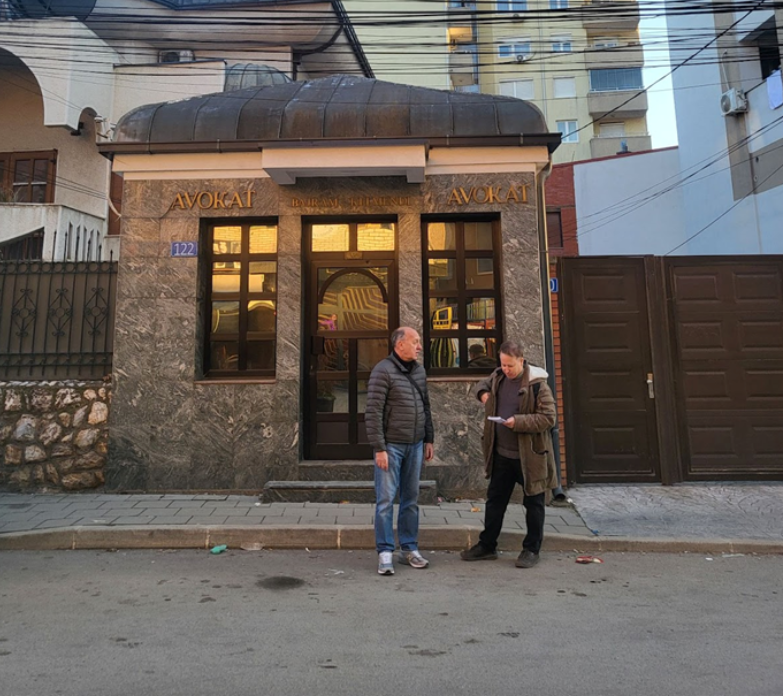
pixel 241 303
pixel 462 326
pixel 554 230
pixel 27 177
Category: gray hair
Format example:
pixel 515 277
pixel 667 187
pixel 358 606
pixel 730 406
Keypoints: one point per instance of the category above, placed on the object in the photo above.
pixel 398 335
pixel 512 349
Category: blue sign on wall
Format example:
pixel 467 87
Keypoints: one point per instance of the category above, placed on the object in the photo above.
pixel 184 249
pixel 553 285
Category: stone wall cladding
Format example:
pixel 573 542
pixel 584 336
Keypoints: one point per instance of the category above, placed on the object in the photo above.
pixel 53 435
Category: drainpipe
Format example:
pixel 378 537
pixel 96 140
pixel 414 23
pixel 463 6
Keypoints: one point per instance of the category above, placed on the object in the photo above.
pixel 549 343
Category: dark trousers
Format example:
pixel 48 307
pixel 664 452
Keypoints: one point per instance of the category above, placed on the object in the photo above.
pixel 506 473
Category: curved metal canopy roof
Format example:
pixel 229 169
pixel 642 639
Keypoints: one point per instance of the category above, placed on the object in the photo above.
pixel 337 108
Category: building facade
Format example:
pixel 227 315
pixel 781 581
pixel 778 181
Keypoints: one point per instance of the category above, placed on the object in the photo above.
pixel 260 279
pixel 71 70
pixel 580 63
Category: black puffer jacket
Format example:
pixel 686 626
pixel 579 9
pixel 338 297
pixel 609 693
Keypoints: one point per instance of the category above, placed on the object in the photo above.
pixel 395 410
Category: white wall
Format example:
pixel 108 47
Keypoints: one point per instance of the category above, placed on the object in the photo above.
pixel 622 207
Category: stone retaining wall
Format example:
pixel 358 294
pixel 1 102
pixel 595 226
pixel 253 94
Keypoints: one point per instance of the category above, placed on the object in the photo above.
pixel 53 435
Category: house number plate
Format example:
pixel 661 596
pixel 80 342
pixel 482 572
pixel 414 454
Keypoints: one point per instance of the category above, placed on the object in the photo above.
pixel 184 249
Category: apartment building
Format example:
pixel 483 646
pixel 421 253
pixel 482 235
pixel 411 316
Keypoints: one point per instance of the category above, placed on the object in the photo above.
pixel 579 62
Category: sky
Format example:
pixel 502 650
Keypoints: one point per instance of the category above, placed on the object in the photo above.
pixel 660 115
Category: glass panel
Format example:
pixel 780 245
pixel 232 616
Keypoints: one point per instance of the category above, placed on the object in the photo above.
pixel 261 315
pixel 39 170
pixel 38 194
pixel 371 352
pixel 443 313
pixel 478 236
pixel 224 355
pixel 361 396
pixel 444 352
pixel 225 317
pixel 353 302
pixel 330 238
pixel 482 353
pixel 226 240
pixel 263 276
pixel 22 171
pixel 481 313
pixel 260 355
pixel 375 236
pixel 263 239
pixel 226 277
pixel 441 236
pixel 443 274
pixel 479 274
pixel 332 396
pixel 335 355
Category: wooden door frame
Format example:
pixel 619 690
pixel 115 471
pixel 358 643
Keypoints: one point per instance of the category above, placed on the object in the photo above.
pixel 349 259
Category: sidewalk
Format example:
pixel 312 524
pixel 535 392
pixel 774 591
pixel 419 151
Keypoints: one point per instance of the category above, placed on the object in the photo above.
pixel 728 518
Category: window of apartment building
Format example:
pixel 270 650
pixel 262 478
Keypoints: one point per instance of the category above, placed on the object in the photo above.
pixel 241 311
pixel 569 131
pixel 517 49
pixel 512 5
pixel 554 230
pixel 561 44
pixel 616 79
pixel 769 52
pixel 564 87
pixel 611 130
pixel 28 177
pixel 462 331
pixel 558 4
pixel 521 89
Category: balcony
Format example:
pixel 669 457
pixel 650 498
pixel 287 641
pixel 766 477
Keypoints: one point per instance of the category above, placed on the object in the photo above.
pixel 463 67
pixel 629 56
pixel 461 13
pixel 600 103
pixel 607 147
pixel 599 16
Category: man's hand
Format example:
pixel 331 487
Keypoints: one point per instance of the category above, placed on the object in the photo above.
pixel 510 422
pixel 429 452
pixel 484 397
pixel 382 460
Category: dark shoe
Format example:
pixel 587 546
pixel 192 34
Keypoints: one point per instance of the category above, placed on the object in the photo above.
pixel 527 559
pixel 478 553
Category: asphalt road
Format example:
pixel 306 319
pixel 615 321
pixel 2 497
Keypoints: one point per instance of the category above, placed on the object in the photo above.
pixel 292 622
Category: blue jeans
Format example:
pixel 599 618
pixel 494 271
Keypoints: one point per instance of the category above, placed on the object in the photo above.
pixel 403 476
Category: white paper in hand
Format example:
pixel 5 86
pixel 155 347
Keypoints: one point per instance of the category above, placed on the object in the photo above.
pixel 496 419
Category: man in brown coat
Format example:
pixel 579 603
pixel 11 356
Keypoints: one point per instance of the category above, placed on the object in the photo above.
pixel 517 445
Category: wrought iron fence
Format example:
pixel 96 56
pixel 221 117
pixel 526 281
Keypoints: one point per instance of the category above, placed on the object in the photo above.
pixel 56 319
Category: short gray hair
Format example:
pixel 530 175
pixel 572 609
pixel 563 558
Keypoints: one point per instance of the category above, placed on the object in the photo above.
pixel 398 335
pixel 512 349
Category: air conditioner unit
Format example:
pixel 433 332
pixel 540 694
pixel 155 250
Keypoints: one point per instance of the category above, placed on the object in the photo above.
pixel 522 57
pixel 733 101
pixel 181 56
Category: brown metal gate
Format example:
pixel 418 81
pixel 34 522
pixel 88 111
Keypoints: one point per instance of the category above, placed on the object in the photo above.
pixel 673 368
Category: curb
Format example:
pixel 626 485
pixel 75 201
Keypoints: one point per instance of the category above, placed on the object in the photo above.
pixel 349 537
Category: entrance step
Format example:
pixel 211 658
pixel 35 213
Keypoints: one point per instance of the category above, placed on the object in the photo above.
pixel 337 470
pixel 336 492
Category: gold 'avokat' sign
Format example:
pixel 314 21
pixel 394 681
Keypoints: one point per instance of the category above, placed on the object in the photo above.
pixel 213 200
pixel 463 195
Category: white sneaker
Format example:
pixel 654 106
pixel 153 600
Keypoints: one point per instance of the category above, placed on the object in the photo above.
pixel 414 559
pixel 385 565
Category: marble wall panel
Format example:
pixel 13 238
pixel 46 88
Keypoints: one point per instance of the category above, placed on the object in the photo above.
pixel 173 433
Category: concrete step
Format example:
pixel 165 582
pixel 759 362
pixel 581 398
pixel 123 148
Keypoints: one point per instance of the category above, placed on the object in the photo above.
pixel 337 470
pixel 336 492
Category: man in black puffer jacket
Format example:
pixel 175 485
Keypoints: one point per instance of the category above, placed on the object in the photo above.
pixel 399 427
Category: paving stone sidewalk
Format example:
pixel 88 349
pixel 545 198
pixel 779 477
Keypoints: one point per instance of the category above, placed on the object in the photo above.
pixel 24 512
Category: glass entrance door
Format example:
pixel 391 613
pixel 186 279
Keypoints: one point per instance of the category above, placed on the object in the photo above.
pixel 351 309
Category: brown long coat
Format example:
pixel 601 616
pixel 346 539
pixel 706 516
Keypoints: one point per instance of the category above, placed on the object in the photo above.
pixel 532 423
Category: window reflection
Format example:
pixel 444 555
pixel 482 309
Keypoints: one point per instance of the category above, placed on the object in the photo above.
pixel 227 240
pixel 443 274
pixel 444 352
pixel 330 237
pixel 226 277
pixel 352 301
pixel 375 236
pixel 443 314
pixel 441 236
